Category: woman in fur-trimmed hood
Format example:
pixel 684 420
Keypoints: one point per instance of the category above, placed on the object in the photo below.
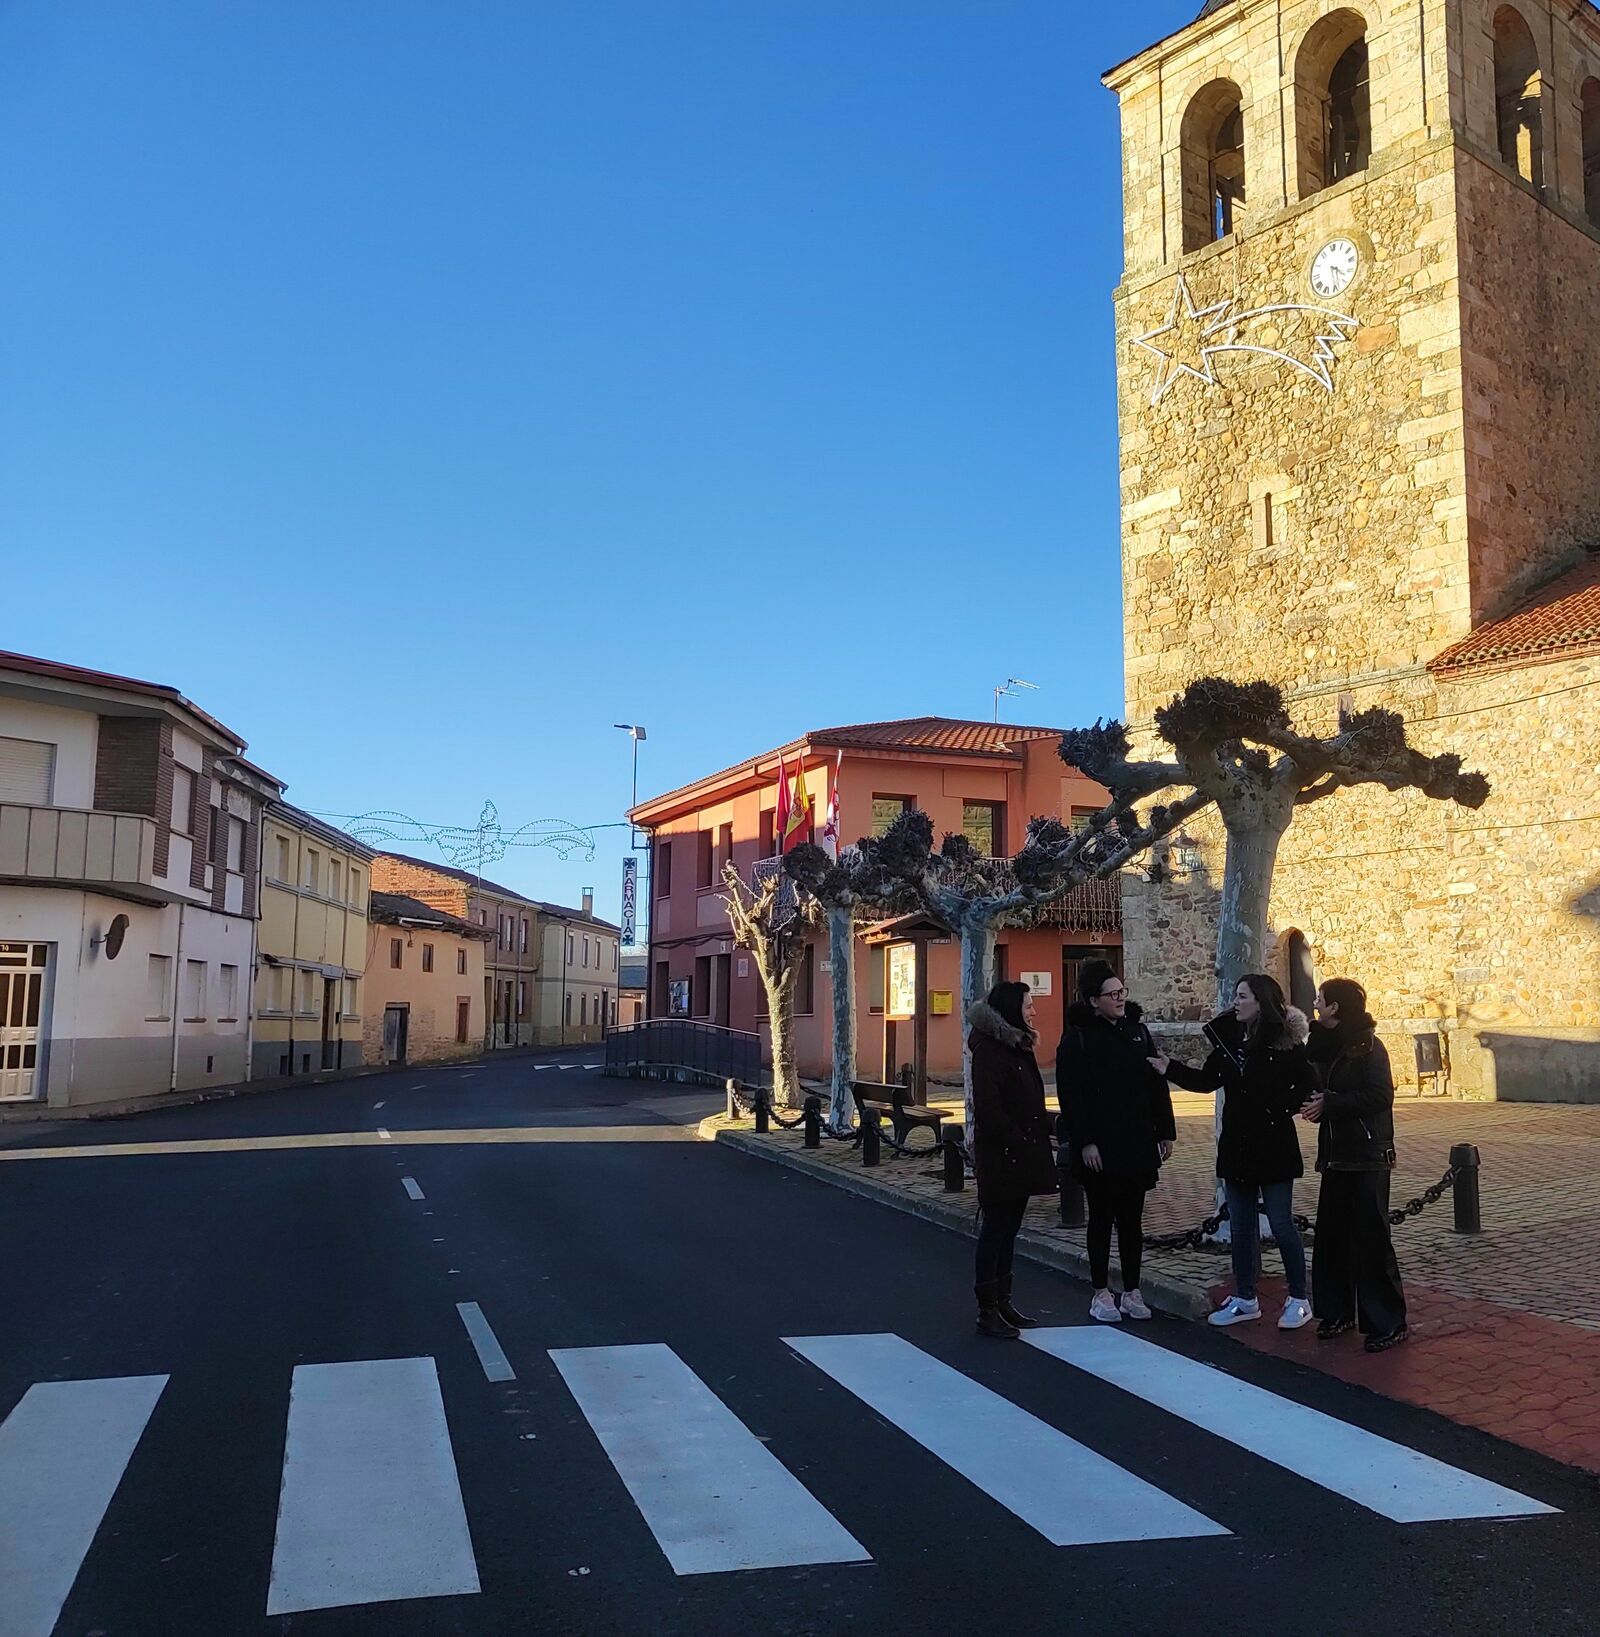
pixel 1011 1150
pixel 1258 1061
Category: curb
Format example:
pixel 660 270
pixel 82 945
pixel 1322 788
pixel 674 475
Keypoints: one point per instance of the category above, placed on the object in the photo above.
pixel 1169 1296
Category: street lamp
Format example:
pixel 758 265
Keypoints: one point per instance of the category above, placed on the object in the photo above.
pixel 1013 684
pixel 635 733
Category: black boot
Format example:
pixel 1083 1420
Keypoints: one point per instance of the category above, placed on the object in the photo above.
pixel 1009 1313
pixel 990 1320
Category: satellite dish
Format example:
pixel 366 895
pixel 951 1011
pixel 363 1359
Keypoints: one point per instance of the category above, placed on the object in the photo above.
pixel 115 933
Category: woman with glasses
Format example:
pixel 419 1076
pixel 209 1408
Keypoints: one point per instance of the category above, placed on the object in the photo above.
pixel 1119 1129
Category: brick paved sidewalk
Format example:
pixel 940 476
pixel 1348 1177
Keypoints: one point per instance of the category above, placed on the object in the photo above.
pixel 1506 1323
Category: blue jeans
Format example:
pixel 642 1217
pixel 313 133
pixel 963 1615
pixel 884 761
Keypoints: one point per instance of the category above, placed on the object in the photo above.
pixel 1277 1200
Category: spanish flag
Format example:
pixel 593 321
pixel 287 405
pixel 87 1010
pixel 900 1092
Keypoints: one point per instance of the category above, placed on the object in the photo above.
pixel 794 809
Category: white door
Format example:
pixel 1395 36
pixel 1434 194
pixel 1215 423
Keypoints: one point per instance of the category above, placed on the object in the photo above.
pixel 22 974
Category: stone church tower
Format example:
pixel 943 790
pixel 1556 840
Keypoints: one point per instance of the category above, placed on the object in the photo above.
pixel 1358 344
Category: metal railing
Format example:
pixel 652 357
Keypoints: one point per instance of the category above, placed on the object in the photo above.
pixel 684 1043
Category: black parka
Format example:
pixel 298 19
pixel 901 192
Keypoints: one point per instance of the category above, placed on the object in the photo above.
pixel 1110 1095
pixel 1264 1084
pixel 1011 1150
pixel 1357 1128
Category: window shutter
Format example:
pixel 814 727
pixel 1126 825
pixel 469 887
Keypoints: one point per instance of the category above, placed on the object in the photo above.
pixel 27 768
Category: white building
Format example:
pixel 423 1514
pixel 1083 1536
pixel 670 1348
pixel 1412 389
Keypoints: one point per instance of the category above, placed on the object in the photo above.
pixel 130 832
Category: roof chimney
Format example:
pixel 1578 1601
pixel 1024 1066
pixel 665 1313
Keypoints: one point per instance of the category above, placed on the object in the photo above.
pixel 588 902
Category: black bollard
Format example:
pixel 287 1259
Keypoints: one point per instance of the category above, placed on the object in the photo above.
pixel 871 1151
pixel 955 1165
pixel 759 1094
pixel 1071 1190
pixel 1464 1162
pixel 813 1118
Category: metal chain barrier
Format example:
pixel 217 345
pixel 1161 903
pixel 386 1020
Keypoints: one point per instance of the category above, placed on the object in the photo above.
pixel 1428 1196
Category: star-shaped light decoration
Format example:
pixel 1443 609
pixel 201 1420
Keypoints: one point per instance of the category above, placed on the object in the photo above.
pixel 1301 336
pixel 1181 339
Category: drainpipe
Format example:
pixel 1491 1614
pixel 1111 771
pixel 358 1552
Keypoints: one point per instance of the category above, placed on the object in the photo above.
pixel 177 1000
pixel 566 946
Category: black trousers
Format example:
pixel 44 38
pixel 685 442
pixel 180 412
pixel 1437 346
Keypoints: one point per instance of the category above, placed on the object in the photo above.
pixel 1114 1202
pixel 998 1227
pixel 1354 1274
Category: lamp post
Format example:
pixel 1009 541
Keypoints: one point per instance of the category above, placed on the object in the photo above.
pixel 635 733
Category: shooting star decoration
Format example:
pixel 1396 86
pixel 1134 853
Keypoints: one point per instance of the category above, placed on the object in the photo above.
pixel 1303 337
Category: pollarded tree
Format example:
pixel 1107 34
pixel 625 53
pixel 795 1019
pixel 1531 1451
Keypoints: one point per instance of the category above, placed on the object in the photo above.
pixel 847 890
pixel 773 922
pixel 1234 744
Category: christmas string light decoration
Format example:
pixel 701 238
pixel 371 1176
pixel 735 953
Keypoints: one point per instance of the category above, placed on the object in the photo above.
pixel 469 846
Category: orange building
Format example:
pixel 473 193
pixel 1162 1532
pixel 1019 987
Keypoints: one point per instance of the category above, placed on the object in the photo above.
pixel 981 778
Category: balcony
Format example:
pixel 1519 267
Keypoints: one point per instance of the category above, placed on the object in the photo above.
pixel 68 846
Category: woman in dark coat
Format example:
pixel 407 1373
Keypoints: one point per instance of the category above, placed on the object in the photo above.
pixel 1119 1128
pixel 1259 1060
pixel 1354 1273
pixel 1010 1144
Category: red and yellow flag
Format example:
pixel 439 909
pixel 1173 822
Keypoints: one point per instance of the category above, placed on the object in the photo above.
pixel 795 813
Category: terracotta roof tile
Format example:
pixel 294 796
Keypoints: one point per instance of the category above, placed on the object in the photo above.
pixel 940 734
pixel 1561 621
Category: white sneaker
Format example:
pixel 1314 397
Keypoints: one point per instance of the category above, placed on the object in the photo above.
pixel 1296 1312
pixel 1104 1308
pixel 1236 1311
pixel 1133 1304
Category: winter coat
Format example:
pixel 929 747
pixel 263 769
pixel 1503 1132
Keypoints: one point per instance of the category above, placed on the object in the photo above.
pixel 1356 1132
pixel 1010 1131
pixel 1264 1084
pixel 1110 1095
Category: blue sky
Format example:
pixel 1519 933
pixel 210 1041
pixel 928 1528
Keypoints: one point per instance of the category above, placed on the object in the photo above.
pixel 423 388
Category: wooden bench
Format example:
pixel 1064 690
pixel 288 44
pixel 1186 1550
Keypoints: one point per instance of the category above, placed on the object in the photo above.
pixel 895 1103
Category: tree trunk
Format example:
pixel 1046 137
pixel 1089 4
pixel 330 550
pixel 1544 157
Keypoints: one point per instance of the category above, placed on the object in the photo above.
pixel 842 958
pixel 780 1018
pixel 977 977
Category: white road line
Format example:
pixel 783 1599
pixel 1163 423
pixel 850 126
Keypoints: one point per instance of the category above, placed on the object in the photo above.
pixel 421 1085
pixel 1388 1478
pixel 410 1186
pixel 370 1510
pixel 63 1451
pixel 714 1496
pixel 377 1105
pixel 496 1366
pixel 382 1133
pixel 1069 1493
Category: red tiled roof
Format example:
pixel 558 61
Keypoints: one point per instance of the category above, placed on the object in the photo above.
pixel 1562 621
pixel 57 670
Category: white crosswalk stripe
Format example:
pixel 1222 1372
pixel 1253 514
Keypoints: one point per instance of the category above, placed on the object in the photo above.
pixel 370 1510
pixel 1069 1493
pixel 1388 1478
pixel 63 1451
pixel 714 1496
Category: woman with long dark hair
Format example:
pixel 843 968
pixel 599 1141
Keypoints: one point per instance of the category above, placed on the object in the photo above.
pixel 1010 1144
pixel 1259 1060
pixel 1354 1276
pixel 1119 1129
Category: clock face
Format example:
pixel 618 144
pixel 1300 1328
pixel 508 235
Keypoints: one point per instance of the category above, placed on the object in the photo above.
pixel 1334 268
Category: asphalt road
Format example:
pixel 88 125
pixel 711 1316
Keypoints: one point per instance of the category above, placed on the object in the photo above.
pixel 206 1464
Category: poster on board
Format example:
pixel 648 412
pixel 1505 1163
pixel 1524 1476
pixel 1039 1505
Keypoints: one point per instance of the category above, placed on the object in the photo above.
pixel 900 982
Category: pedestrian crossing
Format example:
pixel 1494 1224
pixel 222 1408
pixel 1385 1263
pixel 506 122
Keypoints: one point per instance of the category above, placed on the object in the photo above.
pixel 371 1507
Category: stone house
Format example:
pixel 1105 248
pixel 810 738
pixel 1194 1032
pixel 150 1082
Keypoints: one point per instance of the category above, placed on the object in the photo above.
pixel 1359 411
pixel 424 982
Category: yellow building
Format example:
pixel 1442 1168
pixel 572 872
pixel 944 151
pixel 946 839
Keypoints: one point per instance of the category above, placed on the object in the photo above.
pixel 425 982
pixel 313 946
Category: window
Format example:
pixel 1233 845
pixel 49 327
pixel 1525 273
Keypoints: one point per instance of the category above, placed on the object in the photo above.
pixel 524 934
pixel 310 874
pixel 158 987
pixel 501 920
pixel 463 1018
pixel 228 998
pixel 724 847
pixel 766 841
pixel 1591 149
pixel 352 997
pixel 182 800
pixel 461 963
pixel 663 869
pixel 427 957
pixel 355 887
pixel 308 994
pixel 1078 820
pixel 522 998
pixel 569 1009
pixel 335 880
pixel 805 989
pixel 1212 164
pixel 583 1010
pixel 586 949
pixel 282 997
pixel 284 853
pixel 613 949
pixel 571 949
pixel 1518 91
pixel 396 953
pixel 983 824
pixel 27 771
pixel 1333 102
pixel 705 842
pixel 194 991
pixel 700 992
pixel 886 809
pixel 236 845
